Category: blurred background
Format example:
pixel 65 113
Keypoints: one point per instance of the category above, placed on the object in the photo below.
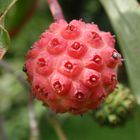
pixel 25 22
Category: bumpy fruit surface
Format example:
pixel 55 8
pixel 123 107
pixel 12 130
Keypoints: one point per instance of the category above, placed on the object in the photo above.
pixel 117 107
pixel 73 67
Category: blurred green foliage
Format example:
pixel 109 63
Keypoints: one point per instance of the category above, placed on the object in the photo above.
pixel 4 4
pixel 14 97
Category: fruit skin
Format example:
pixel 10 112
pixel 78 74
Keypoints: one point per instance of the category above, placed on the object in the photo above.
pixel 72 67
pixel 117 107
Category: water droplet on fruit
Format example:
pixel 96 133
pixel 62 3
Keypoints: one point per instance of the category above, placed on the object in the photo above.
pixel 115 55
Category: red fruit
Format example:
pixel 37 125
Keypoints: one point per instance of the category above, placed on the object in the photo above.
pixel 60 84
pixel 71 32
pixel 90 78
pixel 72 67
pixel 94 39
pixel 77 49
pixel 108 38
pixel 94 60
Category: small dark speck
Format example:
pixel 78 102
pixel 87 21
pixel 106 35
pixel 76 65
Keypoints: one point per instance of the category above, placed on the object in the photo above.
pixel 24 69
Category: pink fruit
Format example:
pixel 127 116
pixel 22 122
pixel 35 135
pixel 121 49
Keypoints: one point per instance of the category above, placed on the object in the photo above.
pixel 73 67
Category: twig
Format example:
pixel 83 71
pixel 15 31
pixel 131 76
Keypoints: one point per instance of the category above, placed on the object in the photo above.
pixel 7 9
pixel 3 134
pixel 2 49
pixel 55 9
pixel 56 125
pixel 32 120
pixel 2 52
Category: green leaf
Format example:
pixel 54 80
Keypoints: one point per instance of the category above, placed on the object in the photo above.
pixel 125 18
pixel 4 4
pixel 4 41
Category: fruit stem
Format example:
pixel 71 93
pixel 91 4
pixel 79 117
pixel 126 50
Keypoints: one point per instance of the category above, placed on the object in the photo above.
pixel 55 9
pixel 56 125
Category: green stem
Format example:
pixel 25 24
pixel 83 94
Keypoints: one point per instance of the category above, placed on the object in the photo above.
pixel 7 9
pixel 56 125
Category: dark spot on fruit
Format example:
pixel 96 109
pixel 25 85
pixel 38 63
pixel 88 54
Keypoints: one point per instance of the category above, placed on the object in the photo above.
pixel 24 69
